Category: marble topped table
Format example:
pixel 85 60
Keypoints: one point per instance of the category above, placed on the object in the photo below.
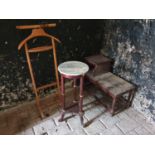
pixel 72 70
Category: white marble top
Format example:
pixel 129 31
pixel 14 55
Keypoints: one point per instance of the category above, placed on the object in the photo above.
pixel 73 68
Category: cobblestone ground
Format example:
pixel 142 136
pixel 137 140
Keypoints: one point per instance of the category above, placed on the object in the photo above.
pixel 97 121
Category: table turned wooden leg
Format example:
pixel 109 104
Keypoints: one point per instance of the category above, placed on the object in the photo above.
pixel 81 113
pixel 62 99
pixel 75 91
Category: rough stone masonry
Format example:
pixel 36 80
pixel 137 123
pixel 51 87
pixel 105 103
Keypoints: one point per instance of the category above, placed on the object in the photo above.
pixel 131 43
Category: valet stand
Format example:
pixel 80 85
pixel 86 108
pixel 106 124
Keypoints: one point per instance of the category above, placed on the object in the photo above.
pixel 38 31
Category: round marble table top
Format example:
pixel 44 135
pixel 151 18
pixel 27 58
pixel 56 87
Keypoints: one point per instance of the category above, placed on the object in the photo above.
pixel 73 68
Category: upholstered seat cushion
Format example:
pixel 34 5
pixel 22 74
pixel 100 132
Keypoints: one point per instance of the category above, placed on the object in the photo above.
pixel 111 83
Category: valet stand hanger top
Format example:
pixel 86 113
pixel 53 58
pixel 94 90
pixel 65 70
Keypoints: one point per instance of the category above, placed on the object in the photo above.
pixel 38 31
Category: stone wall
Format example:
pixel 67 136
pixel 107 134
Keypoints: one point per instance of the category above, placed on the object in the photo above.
pixel 78 39
pixel 131 43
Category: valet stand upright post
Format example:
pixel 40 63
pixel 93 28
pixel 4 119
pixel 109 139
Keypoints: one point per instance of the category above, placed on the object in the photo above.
pixel 38 31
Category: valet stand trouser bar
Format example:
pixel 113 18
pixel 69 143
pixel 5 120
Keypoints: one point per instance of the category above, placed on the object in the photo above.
pixel 80 109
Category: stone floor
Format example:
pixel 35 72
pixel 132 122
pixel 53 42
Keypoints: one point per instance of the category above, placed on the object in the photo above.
pixel 97 120
pixel 24 120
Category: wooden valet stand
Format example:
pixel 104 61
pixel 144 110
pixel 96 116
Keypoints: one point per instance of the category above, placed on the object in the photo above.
pixel 38 31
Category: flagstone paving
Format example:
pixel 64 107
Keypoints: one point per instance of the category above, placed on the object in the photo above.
pixel 25 120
